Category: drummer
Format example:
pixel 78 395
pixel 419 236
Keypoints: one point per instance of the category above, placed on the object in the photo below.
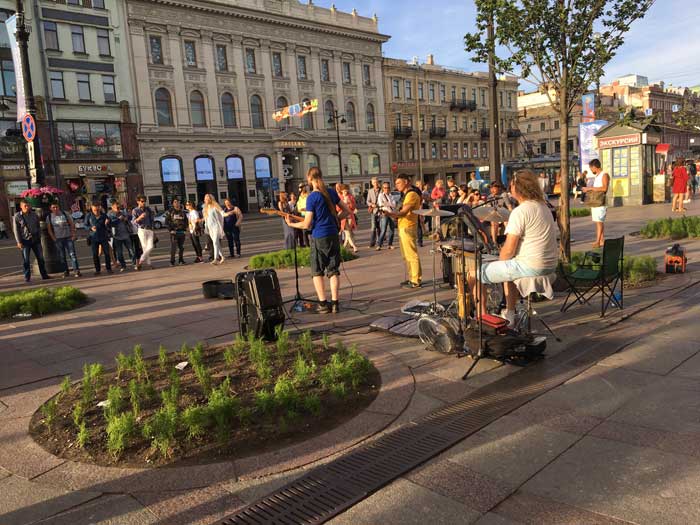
pixel 499 199
pixel 530 249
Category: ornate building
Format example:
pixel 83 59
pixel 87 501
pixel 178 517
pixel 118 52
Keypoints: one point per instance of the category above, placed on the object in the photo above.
pixel 443 115
pixel 211 73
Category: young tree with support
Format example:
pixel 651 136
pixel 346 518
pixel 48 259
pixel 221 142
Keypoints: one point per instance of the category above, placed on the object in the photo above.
pixel 563 47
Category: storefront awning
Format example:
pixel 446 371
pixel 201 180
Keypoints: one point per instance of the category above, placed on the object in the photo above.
pixel 663 148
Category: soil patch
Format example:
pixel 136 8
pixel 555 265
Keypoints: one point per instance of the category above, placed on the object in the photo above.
pixel 300 393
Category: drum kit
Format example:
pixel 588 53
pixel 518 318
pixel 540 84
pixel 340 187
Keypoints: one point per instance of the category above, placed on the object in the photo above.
pixel 465 242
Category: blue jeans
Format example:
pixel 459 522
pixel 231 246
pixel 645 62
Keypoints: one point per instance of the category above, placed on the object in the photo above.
pixel 374 228
pixel 95 245
pixel 67 245
pixel 27 248
pixel 387 223
pixel 118 245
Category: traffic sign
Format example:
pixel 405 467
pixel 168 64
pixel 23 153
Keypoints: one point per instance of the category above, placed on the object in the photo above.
pixel 394 168
pixel 28 127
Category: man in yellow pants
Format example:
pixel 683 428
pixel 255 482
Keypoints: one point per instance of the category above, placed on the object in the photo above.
pixel 408 229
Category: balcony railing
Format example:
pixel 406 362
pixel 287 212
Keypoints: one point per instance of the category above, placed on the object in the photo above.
pixel 438 133
pixel 402 132
pixel 513 133
pixel 463 104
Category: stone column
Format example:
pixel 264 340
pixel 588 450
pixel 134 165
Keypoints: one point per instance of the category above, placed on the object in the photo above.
pixel 378 82
pixel 242 102
pixel 214 104
pixel 266 69
pixel 279 165
pixel 144 97
pixel 181 102
pixel 360 103
pixel 315 74
pixel 293 76
pixel 338 77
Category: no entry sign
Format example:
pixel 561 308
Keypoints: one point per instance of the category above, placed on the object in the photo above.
pixel 28 128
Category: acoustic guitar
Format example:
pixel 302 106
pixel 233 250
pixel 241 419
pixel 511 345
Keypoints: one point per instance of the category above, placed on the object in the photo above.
pixel 272 211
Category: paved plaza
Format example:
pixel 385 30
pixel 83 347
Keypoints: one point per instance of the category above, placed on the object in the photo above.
pixel 615 443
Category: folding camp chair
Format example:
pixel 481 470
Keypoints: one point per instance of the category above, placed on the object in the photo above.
pixel 601 276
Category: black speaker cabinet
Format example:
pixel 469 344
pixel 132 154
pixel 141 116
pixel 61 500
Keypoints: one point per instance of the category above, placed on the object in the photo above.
pixel 259 299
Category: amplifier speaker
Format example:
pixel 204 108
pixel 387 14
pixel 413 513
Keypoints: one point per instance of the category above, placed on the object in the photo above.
pixel 259 299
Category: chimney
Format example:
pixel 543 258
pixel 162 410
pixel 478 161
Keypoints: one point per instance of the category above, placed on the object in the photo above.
pixel 431 60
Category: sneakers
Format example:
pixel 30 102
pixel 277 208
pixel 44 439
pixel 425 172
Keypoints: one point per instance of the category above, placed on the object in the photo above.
pixel 391 247
pixel 66 274
pixel 172 263
pixel 410 285
pixel 182 263
pixel 77 274
pixel 378 248
pixel 335 307
pixel 508 315
pixel 323 308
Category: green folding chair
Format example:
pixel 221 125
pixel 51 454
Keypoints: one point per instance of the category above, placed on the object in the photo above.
pixel 599 274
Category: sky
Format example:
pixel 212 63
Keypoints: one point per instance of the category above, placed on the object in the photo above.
pixel 664 45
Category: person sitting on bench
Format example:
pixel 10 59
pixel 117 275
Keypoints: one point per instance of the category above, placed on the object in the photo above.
pixel 530 249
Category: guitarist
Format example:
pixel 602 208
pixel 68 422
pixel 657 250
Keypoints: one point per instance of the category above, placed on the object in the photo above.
pixel 323 221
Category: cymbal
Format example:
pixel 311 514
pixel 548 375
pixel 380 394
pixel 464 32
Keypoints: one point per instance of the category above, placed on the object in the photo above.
pixel 490 214
pixel 433 212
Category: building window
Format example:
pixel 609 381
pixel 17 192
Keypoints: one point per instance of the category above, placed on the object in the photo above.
pixel 374 164
pixel 455 150
pixel 280 103
pixel 164 108
pixel 464 94
pixel 442 92
pixel 396 88
pixel 190 54
pixel 108 88
pixel 474 125
pixel 78 39
pixel 570 145
pixel 329 111
pixel 84 92
pixel 277 65
pixel 433 122
pixel 556 124
pixel 301 67
pixel 464 124
pixel 350 116
pixel 399 151
pixel 411 151
pixel 433 150
pixel 510 100
pixel 103 46
pixel 221 58
pixel 482 94
pixel 256 112
pixel 465 150
pixel 421 122
pixel 453 92
pixel 347 77
pixel 484 150
pixel 398 120
pixel 422 151
pixel 250 61
pixel 80 139
pixel 543 148
pixel 7 87
pixel 445 153
pixel 408 88
pixel 228 110
pixel 98 4
pixel 474 95
pixel 325 71
pixel 51 36
pixel 431 92
pixel 455 126
pixel 57 90
pixel 197 109
pixel 543 126
pixel 371 126
pixel 355 164
pixel 366 76
pixel 311 161
pixel 409 121
pixel 307 121
pixel 420 91
pixel 156 45
pixel 557 146
pixel 500 99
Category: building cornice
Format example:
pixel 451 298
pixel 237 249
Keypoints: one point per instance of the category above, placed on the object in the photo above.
pixel 282 20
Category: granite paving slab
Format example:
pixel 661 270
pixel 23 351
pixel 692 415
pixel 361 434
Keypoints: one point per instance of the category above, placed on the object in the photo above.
pixel 557 418
pixel 637 484
pixel 689 369
pixel 440 388
pixel 107 510
pixel 406 503
pixel 677 443
pixel 20 454
pixel 23 401
pixel 491 518
pixel 656 355
pixel 21 373
pixel 25 502
pixel 250 490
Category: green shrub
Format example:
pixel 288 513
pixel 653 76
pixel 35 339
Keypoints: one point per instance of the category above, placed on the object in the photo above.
pixel 303 371
pixel 83 435
pixel 161 428
pixel 282 342
pixel 114 402
pixel 285 258
pixel 195 420
pixel 140 367
pixel 286 394
pixel 326 341
pixel 306 344
pixel 135 397
pixel 162 358
pixel 223 409
pixel 171 394
pixel 347 368
pixel 196 359
pixel 579 212
pixel 264 401
pixel 92 377
pixel 639 269
pixel 65 386
pixel 41 301
pixel 49 410
pixel 124 364
pixel 120 429
pixel 674 228
pixel 260 358
pixel 78 413
pixel 312 404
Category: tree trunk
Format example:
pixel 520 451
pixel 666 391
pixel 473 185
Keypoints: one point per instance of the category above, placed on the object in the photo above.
pixel 564 219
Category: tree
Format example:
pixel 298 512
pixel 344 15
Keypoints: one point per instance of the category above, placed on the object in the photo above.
pixel 562 46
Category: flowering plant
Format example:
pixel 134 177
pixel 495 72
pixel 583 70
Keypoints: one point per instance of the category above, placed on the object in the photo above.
pixel 37 193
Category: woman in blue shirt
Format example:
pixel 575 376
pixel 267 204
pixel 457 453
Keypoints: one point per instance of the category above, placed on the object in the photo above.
pixel 323 221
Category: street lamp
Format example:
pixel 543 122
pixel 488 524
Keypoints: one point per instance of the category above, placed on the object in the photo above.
pixel 335 118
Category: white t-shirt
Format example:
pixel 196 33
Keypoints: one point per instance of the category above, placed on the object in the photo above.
pixel 533 223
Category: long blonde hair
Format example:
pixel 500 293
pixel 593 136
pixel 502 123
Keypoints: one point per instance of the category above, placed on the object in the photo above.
pixel 316 177
pixel 527 185
pixel 212 204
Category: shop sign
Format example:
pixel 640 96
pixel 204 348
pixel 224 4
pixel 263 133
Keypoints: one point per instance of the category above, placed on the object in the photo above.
pixel 617 142
pixel 292 144
pixel 13 188
pixel 234 168
pixel 263 169
pixel 403 164
pixel 93 169
pixel 650 139
pixel 13 167
pixel 203 168
pixel 171 169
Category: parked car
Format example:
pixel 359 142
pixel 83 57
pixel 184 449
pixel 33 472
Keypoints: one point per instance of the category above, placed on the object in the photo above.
pixel 159 221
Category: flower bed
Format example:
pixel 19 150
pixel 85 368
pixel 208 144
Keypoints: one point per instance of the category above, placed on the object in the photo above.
pixel 672 228
pixel 636 270
pixel 227 402
pixel 285 258
pixel 40 301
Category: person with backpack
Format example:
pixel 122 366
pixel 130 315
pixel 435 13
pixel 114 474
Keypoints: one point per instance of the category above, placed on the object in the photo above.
pixel 99 229
pixel 25 226
pixel 143 219
pixel 121 234
pixel 233 217
pixel 61 229
pixel 177 222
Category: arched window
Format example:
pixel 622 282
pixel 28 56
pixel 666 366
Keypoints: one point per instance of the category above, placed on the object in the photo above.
pixel 373 164
pixel 228 110
pixel 311 161
pixel 333 170
pixel 350 116
pixel 256 112
pixel 307 121
pixel 164 108
pixel 355 165
pixel 279 104
pixel 328 110
pixel 370 118
pixel 197 109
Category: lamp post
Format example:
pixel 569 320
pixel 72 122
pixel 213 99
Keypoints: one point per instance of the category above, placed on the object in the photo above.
pixel 336 119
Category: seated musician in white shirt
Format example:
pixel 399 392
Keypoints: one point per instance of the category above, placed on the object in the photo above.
pixel 530 249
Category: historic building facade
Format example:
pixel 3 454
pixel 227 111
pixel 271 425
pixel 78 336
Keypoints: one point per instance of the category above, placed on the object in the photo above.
pixel 209 80
pixel 80 73
pixel 442 115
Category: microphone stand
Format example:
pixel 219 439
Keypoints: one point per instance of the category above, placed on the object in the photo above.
pixel 298 300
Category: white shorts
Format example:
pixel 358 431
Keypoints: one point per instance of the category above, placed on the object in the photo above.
pixel 598 214
pixel 508 271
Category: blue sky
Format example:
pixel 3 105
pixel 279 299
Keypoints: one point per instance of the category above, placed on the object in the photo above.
pixel 665 45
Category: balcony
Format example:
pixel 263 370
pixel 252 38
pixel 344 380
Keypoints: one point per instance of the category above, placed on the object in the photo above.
pixel 402 132
pixel 438 133
pixel 484 133
pixel 463 104
pixel 513 133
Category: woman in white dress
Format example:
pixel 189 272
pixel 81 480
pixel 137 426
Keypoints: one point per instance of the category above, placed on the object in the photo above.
pixel 214 220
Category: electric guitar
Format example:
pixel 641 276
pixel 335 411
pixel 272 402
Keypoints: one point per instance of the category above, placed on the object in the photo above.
pixel 272 211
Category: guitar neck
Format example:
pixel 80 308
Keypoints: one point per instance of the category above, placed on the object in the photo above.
pixel 272 211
